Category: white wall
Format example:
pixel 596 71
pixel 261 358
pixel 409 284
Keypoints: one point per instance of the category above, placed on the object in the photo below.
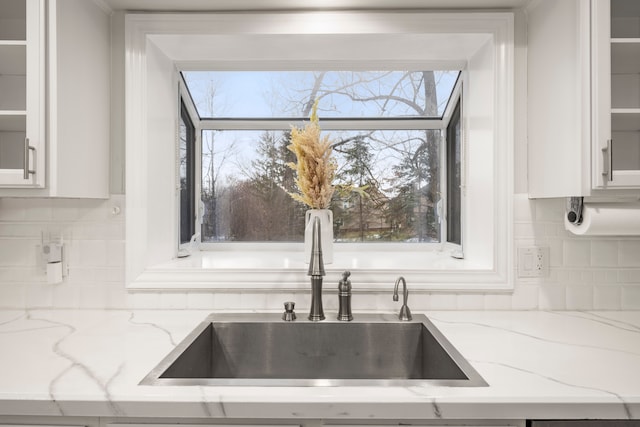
pixel 586 273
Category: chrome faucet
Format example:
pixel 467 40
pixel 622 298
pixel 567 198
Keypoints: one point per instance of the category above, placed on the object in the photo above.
pixel 316 271
pixel 405 313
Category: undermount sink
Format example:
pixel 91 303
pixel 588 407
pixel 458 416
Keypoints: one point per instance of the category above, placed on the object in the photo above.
pixel 264 350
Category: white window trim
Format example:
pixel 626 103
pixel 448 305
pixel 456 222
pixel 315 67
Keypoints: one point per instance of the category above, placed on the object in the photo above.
pixel 255 266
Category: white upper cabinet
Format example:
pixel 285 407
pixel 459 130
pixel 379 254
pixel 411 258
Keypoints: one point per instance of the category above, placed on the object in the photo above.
pixel 616 91
pixel 583 73
pixel 55 116
pixel 22 93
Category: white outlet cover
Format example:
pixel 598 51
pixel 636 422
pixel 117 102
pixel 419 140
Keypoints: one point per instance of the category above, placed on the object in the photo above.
pixel 533 262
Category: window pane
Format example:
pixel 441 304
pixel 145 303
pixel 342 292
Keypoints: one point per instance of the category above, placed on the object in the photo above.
pixel 246 181
pixel 187 177
pixel 287 94
pixel 454 202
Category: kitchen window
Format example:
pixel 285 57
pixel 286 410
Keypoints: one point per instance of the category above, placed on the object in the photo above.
pixel 388 129
pixel 478 152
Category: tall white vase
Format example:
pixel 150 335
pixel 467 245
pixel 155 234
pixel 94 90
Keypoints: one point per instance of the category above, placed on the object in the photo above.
pixel 326 232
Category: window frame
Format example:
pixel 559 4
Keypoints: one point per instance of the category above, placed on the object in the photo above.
pixel 150 57
pixel 190 170
pixel 328 125
pixel 456 111
pixel 186 106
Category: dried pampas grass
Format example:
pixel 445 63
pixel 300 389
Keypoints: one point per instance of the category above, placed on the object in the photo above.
pixel 315 166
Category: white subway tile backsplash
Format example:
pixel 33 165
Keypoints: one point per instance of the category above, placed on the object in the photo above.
pixel 549 210
pixel 525 297
pixel 95 295
pixel 607 297
pixel 417 301
pixel 115 253
pixel 497 301
pixel 20 230
pixel 116 297
pixel 94 242
pixel 63 212
pixel 577 253
pixel 629 253
pixel 523 208
pixel 12 295
pixel 604 253
pixel 627 275
pixel 556 256
pixel 363 301
pixel 441 301
pixel 200 300
pixel 12 210
pixel 66 295
pixel 231 301
pixel 143 300
pixel 586 273
pixel 93 252
pixel 177 300
pixel 20 274
pixel 38 210
pixel 605 276
pixel 39 296
pixel 470 302
pixel 18 252
pixel 579 297
pixel 631 297
pixel 552 296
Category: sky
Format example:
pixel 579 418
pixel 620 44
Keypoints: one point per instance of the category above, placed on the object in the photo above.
pixel 264 93
pixel 253 94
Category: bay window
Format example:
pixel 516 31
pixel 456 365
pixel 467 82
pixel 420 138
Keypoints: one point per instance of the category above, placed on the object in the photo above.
pixel 426 174
pixel 387 131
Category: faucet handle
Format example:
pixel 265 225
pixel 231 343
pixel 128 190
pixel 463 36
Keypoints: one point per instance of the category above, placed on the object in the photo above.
pixel 289 315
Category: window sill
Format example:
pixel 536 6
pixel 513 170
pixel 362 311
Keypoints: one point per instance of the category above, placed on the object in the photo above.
pixel 286 271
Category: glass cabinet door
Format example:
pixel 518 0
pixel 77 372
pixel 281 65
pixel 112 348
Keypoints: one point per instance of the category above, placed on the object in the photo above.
pixel 22 127
pixel 617 94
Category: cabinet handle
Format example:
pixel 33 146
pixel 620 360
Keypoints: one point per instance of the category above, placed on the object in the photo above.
pixel 607 161
pixel 27 154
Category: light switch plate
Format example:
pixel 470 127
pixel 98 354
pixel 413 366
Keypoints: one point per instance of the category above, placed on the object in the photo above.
pixel 533 262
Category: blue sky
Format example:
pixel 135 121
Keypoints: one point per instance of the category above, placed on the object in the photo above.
pixel 260 93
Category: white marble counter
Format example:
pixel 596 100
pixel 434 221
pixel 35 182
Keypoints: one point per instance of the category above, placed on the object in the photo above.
pixel 538 365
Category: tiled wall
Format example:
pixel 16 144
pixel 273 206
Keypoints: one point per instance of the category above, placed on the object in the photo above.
pixel 586 273
pixel 93 236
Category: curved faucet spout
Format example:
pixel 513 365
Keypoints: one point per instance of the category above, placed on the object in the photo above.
pixel 405 313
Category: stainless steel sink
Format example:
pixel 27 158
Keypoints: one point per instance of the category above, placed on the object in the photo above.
pixel 264 350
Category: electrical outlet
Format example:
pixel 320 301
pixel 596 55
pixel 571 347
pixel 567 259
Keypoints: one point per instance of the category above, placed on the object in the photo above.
pixel 533 262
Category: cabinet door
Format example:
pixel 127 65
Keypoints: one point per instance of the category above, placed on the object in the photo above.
pixel 558 101
pixel 22 89
pixel 616 94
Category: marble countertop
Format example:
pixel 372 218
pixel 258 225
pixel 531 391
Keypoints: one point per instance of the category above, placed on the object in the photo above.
pixel 537 364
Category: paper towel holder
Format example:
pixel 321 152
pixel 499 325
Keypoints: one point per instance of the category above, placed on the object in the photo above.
pixel 574 210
